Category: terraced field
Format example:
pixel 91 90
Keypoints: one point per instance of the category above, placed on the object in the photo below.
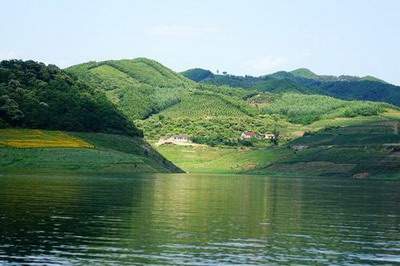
pixel 138 87
pixel 205 105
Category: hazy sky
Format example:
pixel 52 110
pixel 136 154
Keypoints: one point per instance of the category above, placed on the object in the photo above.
pixel 356 37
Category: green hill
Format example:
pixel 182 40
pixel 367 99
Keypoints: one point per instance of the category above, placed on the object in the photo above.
pixel 305 81
pixel 139 87
pixel 113 96
pixel 304 73
pixel 216 111
pixel 163 103
pixel 36 96
pixel 198 74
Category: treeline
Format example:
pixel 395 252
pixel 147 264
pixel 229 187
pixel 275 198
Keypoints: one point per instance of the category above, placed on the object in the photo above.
pixel 33 95
pixel 217 130
pixel 305 109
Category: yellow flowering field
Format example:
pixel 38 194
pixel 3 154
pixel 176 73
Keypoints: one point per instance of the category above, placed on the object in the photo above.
pixel 35 138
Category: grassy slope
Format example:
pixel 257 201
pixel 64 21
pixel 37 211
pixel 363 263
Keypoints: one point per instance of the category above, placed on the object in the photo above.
pixel 35 138
pixel 79 152
pixel 205 159
pixel 139 87
pixel 349 150
pixel 344 147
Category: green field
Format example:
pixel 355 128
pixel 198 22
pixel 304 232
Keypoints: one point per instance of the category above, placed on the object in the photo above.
pixel 50 151
pixel 350 148
pixel 205 159
pixel 35 138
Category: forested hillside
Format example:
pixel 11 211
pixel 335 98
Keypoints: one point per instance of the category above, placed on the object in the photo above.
pixel 34 95
pixel 305 81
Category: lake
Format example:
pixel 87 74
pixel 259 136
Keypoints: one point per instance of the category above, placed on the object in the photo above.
pixel 198 220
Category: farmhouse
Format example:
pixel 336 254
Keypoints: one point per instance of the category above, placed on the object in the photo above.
pixel 248 135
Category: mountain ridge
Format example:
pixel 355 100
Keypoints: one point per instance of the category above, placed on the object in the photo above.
pixel 305 81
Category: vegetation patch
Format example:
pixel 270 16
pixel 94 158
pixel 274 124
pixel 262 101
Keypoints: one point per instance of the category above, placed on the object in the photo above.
pixel 305 109
pixel 345 149
pixel 27 138
pixel 138 87
pixel 52 151
pixel 305 81
pixel 33 95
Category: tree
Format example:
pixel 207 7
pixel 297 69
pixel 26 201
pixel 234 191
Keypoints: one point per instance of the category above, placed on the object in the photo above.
pixel 10 109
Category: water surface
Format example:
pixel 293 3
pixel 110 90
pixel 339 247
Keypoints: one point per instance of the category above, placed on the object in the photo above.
pixel 198 219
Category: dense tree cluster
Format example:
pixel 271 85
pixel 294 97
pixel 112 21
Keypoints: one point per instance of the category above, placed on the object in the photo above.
pixel 216 130
pixel 305 109
pixel 34 95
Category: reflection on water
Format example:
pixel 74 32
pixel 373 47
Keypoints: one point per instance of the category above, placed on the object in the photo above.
pixel 198 219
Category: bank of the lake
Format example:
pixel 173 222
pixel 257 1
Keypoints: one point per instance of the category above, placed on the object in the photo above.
pixel 369 149
pixel 33 151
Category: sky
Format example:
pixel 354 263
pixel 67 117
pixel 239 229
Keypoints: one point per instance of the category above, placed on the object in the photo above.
pixel 255 37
